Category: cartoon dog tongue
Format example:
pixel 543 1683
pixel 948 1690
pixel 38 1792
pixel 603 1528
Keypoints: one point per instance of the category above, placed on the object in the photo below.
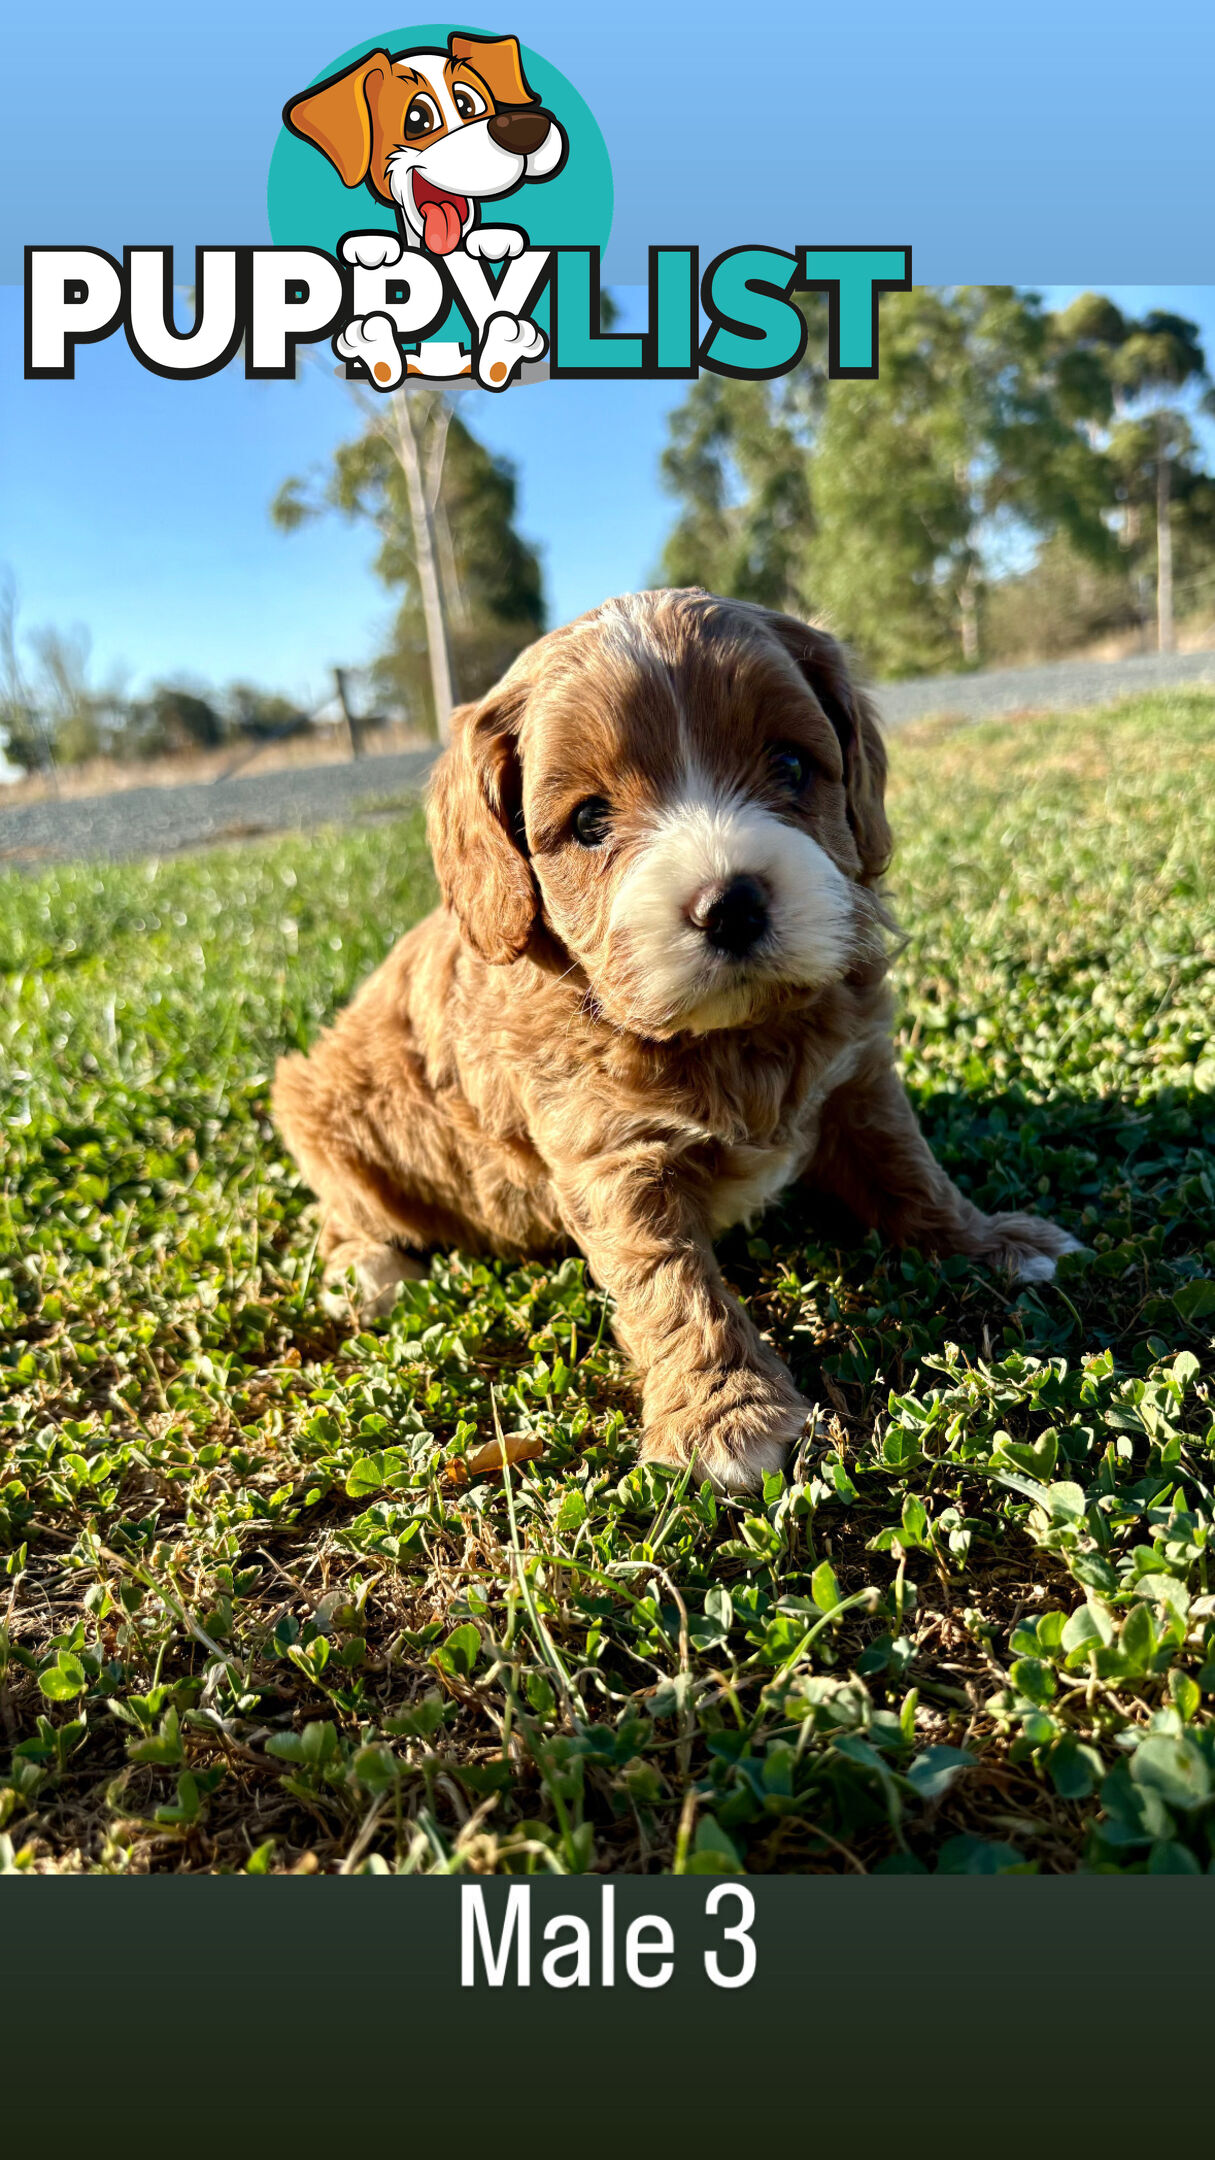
pixel 442 218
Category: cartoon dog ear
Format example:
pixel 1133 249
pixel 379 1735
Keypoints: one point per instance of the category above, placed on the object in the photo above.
pixel 336 116
pixel 499 63
pixel 825 667
pixel 474 825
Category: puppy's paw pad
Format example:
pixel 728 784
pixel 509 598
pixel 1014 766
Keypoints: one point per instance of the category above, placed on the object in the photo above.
pixel 507 343
pixel 494 243
pixel 372 250
pixel 374 342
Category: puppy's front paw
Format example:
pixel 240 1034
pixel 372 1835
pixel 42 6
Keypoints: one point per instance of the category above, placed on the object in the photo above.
pixel 1040 1266
pixel 507 343
pixel 372 250
pixel 731 1426
pixel 494 243
pixel 374 342
pixel 1028 1247
pixel 362 1279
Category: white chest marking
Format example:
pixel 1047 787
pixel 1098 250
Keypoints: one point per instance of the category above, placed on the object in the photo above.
pixel 753 1181
pixel 756 1175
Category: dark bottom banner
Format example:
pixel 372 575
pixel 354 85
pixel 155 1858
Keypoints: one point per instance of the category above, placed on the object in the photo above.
pixel 170 2012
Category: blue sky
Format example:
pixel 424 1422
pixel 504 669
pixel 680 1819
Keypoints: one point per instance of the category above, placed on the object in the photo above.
pixel 140 508
pixel 1052 140
pixel 995 144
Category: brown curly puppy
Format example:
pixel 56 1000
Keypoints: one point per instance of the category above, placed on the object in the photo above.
pixel 654 999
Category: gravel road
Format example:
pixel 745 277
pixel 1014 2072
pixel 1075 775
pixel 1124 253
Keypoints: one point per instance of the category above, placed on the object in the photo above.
pixel 1054 687
pixel 160 821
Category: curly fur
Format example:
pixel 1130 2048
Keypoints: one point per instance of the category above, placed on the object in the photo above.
pixel 539 1065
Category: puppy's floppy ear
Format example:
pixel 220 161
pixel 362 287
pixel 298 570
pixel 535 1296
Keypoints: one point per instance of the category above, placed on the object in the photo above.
pixel 499 63
pixel 825 667
pixel 473 823
pixel 336 116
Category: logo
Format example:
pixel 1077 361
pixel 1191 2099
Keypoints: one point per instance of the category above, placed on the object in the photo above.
pixel 439 202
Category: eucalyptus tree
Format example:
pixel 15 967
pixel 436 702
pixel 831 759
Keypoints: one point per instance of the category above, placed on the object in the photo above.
pixel 1149 380
pixel 884 503
pixel 443 507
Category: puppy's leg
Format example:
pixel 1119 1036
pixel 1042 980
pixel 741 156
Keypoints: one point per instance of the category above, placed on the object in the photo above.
pixel 713 1393
pixel 378 1272
pixel 366 1225
pixel 872 1155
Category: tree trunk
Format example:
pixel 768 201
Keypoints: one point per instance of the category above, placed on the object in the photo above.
pixel 449 575
pixel 457 606
pixel 1164 551
pixel 406 446
pixel 969 608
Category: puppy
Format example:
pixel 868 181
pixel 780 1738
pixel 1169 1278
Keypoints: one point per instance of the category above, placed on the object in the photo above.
pixel 435 133
pixel 653 999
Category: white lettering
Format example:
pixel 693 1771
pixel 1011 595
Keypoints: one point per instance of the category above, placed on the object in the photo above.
pixel 73 295
pixel 480 298
pixel 739 1933
pixel 297 296
pixel 637 1947
pixel 578 1948
pixel 474 1930
pixel 425 295
pixel 149 314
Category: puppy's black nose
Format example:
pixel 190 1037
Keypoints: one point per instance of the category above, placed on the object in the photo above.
pixel 734 917
pixel 521 132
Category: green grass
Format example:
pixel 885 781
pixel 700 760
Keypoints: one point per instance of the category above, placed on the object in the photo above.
pixel 252 1619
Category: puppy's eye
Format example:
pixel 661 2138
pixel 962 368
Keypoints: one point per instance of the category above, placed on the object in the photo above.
pixel 789 767
pixel 420 119
pixel 467 103
pixel 591 821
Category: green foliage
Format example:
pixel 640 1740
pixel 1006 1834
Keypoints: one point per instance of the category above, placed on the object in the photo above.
pixel 1148 368
pixel 962 430
pixel 171 718
pixel 249 711
pixel 51 712
pixel 889 506
pixel 736 463
pixel 490 577
pixel 252 1624
pixel 1062 601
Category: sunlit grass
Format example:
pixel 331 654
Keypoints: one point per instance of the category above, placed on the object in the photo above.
pixel 251 1616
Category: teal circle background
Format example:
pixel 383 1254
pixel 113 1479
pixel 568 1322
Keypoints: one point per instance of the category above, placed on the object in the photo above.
pixel 308 206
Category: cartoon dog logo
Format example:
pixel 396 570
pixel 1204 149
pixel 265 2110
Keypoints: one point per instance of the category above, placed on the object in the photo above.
pixel 435 133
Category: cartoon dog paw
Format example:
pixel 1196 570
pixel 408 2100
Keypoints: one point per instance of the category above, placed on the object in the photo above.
pixel 373 341
pixel 507 343
pixel 495 243
pixel 372 250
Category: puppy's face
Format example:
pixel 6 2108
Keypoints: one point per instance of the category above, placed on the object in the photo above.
pixel 452 147
pixel 691 790
pixel 433 132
